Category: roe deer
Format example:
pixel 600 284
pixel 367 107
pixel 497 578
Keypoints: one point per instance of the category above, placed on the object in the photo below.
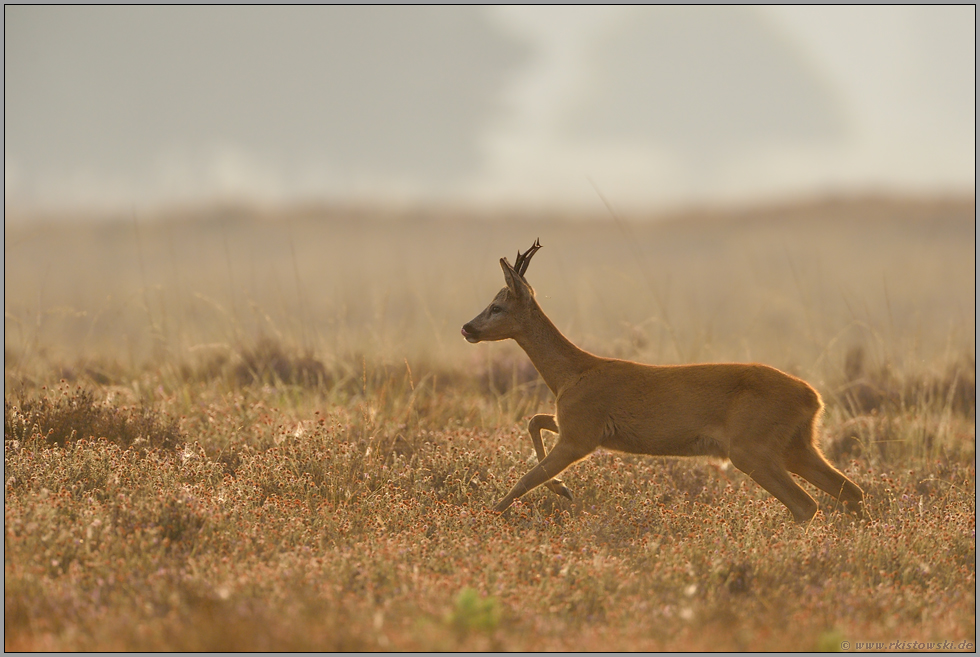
pixel 760 418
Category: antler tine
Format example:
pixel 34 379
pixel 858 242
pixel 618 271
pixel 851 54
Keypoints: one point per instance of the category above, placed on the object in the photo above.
pixel 523 259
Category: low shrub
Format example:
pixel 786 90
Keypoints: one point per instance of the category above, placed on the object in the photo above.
pixel 70 414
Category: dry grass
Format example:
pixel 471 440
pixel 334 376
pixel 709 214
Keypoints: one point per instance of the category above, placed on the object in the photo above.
pixel 229 475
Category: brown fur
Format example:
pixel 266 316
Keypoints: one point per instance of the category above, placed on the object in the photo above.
pixel 762 419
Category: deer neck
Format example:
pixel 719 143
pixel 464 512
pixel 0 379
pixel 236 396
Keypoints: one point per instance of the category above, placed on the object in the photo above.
pixel 557 360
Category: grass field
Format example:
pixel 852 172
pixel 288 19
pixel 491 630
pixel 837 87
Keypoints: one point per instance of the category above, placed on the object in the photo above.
pixel 233 429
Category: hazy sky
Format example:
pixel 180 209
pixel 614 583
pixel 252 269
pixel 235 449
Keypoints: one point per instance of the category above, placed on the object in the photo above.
pixel 658 106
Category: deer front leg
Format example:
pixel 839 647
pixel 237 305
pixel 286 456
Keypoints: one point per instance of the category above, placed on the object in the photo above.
pixel 562 456
pixel 534 427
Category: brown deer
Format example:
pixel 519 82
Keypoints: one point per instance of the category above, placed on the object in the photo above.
pixel 760 418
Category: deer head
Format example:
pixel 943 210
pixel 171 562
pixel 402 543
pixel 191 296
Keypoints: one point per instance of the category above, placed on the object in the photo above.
pixel 506 314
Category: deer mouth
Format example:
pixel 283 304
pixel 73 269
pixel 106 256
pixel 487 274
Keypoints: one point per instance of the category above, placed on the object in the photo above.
pixel 470 336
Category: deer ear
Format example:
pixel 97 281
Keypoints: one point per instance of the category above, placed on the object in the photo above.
pixel 515 283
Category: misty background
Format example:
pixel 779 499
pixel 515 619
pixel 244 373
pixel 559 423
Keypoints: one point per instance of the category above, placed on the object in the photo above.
pixel 139 107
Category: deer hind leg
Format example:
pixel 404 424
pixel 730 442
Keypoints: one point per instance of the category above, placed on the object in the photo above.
pixel 562 456
pixel 534 427
pixel 775 479
pixel 806 461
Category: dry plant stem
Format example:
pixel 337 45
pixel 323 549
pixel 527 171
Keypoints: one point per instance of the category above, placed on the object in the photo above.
pixel 762 419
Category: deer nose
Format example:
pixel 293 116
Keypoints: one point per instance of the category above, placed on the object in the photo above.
pixel 468 333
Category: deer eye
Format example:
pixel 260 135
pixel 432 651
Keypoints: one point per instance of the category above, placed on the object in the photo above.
pixel 494 309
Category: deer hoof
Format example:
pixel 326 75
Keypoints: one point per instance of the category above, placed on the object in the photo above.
pixel 558 488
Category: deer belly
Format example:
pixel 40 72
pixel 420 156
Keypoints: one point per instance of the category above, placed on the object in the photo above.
pixel 694 443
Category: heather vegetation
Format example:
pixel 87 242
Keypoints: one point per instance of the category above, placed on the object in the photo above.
pixel 284 444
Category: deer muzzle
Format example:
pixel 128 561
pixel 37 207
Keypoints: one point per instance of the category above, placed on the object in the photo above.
pixel 469 334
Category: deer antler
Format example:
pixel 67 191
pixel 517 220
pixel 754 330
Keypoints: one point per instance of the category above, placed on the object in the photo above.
pixel 520 265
